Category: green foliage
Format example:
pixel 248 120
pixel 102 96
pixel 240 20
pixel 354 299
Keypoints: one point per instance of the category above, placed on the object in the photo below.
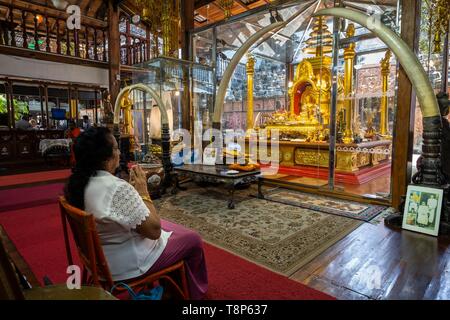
pixel 20 107
pixel 3 108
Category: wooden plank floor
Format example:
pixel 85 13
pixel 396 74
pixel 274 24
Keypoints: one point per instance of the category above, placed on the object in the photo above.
pixel 377 262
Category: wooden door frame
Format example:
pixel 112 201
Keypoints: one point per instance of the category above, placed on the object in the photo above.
pixel 406 105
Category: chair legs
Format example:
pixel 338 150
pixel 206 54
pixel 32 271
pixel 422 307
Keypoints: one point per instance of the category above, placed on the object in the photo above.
pixel 184 283
pixel 173 276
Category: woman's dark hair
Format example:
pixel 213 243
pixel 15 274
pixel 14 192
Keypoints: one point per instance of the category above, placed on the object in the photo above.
pixel 92 149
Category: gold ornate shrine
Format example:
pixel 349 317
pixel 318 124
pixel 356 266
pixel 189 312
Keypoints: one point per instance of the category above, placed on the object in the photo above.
pixel 304 128
pixel 310 95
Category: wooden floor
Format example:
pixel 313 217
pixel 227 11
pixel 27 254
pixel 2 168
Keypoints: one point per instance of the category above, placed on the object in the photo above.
pixel 380 185
pixel 377 262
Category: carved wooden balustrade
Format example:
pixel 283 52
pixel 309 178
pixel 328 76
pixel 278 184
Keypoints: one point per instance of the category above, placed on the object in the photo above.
pixel 45 32
pixel 23 28
pixel 135 43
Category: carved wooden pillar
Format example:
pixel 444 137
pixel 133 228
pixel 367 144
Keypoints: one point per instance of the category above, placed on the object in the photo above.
pixel 13 32
pixel 187 24
pixel 406 105
pixel 128 42
pixel 68 41
pixel 47 34
pixel 58 38
pixel 113 50
pixel 24 29
pixel 76 41
pixel 36 32
pixel 95 45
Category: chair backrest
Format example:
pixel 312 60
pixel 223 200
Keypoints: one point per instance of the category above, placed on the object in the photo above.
pixel 82 225
pixel 9 283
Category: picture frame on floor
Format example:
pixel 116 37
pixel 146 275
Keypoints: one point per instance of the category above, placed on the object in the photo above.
pixel 209 156
pixel 422 211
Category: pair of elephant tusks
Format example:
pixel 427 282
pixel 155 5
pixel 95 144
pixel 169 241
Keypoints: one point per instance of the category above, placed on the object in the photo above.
pixel 144 88
pixel 412 66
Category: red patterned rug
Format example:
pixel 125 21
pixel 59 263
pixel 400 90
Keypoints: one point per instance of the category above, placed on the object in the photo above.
pixel 37 234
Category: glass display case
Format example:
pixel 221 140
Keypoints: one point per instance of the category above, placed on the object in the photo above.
pixel 292 92
pixel 434 54
pixel 186 88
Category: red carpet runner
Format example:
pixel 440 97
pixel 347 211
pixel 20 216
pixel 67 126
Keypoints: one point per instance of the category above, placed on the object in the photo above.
pixel 20 198
pixel 35 177
pixel 37 234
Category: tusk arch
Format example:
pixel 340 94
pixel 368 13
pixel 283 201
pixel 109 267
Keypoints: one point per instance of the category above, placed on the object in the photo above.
pixel 412 66
pixel 144 88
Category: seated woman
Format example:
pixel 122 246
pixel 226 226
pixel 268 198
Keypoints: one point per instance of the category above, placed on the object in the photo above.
pixel 134 239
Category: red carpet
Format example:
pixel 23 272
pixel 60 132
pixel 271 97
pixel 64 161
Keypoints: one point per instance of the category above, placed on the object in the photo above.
pixel 20 198
pixel 35 177
pixel 37 234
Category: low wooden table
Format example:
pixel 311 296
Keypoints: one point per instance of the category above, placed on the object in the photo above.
pixel 216 174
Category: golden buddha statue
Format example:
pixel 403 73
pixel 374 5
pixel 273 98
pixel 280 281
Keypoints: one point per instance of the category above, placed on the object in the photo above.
pixel 310 94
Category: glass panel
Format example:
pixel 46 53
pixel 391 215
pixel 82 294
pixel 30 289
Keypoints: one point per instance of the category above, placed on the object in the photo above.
pixel 366 108
pixel 203 47
pixel 432 58
pixel 23 113
pixel 171 79
pixel 292 91
pixel 3 108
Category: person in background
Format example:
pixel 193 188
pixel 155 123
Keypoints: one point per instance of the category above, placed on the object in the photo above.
pixel 4 121
pixel 86 123
pixel 72 133
pixel 135 240
pixel 34 125
pixel 23 124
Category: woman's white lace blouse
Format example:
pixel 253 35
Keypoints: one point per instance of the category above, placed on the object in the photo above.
pixel 118 210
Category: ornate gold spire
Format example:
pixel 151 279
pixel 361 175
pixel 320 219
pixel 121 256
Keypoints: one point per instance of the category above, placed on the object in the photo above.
pixel 349 61
pixel 250 72
pixel 320 39
pixel 385 71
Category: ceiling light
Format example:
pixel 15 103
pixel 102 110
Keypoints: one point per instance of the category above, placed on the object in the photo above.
pixel 60 4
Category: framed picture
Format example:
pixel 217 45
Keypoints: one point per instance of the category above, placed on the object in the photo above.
pixel 209 156
pixel 423 209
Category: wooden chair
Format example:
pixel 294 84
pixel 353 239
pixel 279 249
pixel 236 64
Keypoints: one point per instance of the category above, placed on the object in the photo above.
pixel 11 289
pixel 9 283
pixel 96 270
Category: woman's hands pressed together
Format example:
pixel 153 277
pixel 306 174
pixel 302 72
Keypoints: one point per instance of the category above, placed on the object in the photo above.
pixel 151 227
pixel 138 180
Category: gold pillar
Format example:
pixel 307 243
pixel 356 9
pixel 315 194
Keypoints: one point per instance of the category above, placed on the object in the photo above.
pixel 73 110
pixel 250 73
pixel 165 24
pixel 385 71
pixel 126 105
pixel 170 25
pixel 349 60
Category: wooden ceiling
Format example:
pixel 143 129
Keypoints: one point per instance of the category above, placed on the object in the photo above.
pixel 211 11
pixel 90 9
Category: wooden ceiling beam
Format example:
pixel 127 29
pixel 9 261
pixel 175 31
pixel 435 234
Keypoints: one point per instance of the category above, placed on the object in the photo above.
pixel 243 5
pixel 200 3
pixel 94 8
pixel 84 6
